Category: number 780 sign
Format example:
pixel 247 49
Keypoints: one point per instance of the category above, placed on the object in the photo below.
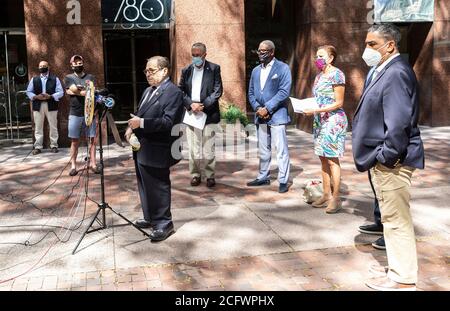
pixel 139 12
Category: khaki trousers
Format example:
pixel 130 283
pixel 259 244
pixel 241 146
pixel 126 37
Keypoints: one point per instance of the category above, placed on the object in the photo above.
pixel 52 118
pixel 201 144
pixel 392 191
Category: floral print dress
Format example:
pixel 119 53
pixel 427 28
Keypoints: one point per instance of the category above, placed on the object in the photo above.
pixel 329 127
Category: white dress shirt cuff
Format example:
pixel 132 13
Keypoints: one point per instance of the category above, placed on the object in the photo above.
pixel 142 123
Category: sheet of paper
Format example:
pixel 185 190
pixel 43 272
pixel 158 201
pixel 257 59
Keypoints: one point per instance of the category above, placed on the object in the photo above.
pixel 196 120
pixel 300 105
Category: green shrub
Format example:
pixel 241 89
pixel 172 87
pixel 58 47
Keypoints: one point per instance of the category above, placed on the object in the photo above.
pixel 233 113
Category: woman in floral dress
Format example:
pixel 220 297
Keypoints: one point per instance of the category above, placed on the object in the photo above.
pixel 330 125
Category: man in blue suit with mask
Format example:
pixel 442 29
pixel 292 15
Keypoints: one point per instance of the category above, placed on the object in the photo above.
pixel 269 89
pixel 386 140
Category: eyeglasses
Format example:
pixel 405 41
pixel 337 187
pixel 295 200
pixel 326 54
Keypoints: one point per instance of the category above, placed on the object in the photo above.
pixel 151 71
pixel 262 51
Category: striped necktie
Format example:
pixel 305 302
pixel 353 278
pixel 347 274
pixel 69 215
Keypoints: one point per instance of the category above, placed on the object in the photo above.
pixel 370 77
pixel 148 96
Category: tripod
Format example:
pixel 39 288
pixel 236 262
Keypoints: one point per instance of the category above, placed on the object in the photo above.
pixel 102 206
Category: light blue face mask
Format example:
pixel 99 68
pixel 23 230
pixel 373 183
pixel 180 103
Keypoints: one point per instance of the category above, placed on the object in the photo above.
pixel 197 61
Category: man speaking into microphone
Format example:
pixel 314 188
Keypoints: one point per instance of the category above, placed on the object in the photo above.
pixel 160 108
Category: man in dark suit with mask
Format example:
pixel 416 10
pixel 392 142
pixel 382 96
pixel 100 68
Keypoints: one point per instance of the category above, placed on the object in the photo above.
pixel 160 108
pixel 386 140
pixel 201 84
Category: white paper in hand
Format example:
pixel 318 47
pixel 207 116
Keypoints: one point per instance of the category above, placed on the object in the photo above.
pixel 196 120
pixel 301 105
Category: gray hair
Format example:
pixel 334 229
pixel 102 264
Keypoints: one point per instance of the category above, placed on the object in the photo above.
pixel 269 43
pixel 161 61
pixel 388 32
pixel 199 45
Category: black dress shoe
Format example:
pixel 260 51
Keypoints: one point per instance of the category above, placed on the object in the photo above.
pixel 54 150
pixel 258 182
pixel 161 234
pixel 142 223
pixel 196 181
pixel 371 229
pixel 379 244
pixel 283 188
pixel 210 182
pixel 36 151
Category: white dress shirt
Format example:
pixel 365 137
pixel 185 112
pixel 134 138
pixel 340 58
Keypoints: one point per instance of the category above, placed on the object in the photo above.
pixel 381 67
pixel 265 70
pixel 197 77
pixel 59 92
pixel 141 121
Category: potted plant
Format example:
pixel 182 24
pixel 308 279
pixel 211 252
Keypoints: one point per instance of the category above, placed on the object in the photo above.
pixel 230 114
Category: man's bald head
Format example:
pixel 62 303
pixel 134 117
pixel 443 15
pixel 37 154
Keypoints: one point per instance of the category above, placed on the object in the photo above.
pixel 43 64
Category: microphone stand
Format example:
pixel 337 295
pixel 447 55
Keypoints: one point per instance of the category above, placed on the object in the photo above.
pixel 102 206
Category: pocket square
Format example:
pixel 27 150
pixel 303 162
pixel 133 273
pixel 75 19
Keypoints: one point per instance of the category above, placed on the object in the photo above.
pixel 275 76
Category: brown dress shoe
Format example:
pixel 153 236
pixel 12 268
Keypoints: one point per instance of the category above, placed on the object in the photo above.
pixel 195 181
pixel 210 182
pixel 36 151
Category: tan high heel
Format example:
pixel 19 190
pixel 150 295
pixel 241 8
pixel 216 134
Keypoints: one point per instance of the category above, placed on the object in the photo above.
pixel 321 202
pixel 334 205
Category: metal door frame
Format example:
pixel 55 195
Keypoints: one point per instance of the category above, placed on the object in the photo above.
pixel 5 32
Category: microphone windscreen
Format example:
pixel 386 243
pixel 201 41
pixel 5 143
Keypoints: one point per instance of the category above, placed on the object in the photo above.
pixel 109 102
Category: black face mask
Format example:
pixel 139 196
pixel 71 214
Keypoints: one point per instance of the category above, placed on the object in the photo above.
pixel 264 57
pixel 43 70
pixel 77 69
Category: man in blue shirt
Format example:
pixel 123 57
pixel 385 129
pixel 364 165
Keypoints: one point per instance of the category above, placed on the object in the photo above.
pixel 45 91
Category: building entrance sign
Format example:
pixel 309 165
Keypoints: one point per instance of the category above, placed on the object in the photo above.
pixel 136 14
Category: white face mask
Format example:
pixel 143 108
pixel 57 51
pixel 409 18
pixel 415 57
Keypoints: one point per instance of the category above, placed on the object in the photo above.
pixel 372 57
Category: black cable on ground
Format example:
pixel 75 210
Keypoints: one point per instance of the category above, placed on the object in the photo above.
pixel 71 230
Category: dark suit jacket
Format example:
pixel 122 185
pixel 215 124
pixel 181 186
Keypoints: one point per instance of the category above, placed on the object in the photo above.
pixel 210 93
pixel 161 113
pixel 385 122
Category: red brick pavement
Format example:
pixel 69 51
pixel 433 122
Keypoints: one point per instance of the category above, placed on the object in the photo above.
pixel 342 268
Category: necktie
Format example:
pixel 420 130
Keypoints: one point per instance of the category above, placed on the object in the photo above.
pixel 148 96
pixel 370 77
pixel 152 89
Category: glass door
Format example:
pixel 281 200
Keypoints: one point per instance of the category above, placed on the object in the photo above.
pixel 126 54
pixel 15 114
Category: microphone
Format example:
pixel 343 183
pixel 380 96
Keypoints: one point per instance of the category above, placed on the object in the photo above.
pixel 106 100
pixel 109 101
